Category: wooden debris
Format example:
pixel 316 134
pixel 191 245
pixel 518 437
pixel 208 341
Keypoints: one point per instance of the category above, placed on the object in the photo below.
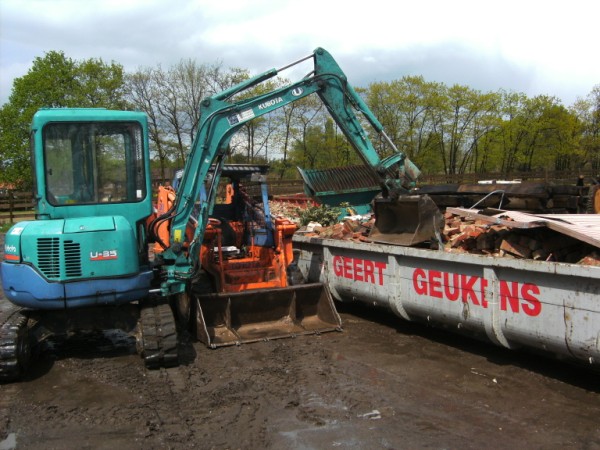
pixel 461 235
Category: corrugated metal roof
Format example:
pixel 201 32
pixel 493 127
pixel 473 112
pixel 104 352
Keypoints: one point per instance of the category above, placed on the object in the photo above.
pixel 584 227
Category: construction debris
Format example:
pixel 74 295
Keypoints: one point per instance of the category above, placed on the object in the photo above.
pixel 285 209
pixel 470 234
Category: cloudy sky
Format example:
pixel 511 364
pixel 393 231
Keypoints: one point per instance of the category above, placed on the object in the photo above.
pixel 537 47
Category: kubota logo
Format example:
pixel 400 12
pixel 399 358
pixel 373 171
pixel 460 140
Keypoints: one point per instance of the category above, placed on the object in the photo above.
pixel 270 103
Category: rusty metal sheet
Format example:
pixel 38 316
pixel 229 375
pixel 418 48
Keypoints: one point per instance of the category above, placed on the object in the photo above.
pixel 498 217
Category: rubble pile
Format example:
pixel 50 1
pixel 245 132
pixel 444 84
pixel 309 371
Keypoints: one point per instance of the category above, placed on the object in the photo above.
pixel 462 235
pixel 284 209
pixel 539 243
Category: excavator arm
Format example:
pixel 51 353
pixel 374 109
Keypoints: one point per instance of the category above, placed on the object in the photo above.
pixel 222 117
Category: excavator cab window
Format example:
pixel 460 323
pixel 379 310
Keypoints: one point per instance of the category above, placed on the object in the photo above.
pixel 89 163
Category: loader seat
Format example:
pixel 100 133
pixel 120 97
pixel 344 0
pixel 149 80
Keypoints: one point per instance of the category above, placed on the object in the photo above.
pixel 228 234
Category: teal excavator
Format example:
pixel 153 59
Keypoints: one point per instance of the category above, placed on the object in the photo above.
pixel 84 262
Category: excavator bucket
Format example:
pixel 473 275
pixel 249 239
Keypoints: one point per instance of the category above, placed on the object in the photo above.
pixel 242 317
pixel 407 220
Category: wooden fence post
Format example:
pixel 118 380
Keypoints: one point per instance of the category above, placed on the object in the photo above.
pixel 11 205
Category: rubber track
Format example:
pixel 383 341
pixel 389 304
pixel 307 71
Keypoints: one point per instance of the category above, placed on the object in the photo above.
pixel 159 336
pixel 13 337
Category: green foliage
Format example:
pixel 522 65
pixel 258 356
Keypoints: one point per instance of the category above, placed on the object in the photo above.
pixel 587 111
pixel 455 129
pixel 442 129
pixel 283 169
pixel 4 227
pixel 53 81
pixel 325 215
pixel 238 158
pixel 323 146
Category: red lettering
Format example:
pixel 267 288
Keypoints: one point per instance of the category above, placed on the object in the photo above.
pixel 435 283
pixel 533 307
pixel 337 266
pixel 418 283
pixel 347 267
pixel 358 270
pixel 380 266
pixel 369 271
pixel 452 286
pixel 451 294
pixel 484 284
pixel 466 284
pixel 509 296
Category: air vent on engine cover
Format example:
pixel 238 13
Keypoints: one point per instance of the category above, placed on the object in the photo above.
pixel 48 255
pixel 72 252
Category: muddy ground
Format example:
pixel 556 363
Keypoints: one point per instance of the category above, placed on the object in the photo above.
pixel 381 383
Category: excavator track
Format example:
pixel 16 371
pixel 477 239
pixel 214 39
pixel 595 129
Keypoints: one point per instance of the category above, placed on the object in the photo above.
pixel 157 336
pixel 15 345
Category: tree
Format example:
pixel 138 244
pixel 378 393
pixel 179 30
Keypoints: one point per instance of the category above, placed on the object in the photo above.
pixel 171 98
pixel 143 95
pixel 407 109
pixel 404 109
pixel 537 133
pixel 587 111
pixel 53 81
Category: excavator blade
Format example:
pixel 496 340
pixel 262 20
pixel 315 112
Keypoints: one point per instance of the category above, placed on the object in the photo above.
pixel 407 220
pixel 242 317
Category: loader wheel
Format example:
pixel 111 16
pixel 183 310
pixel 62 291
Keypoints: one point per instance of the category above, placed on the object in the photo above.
pixel 157 336
pixel 15 345
pixel 593 200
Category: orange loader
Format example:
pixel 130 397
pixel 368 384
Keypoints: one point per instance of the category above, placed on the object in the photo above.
pixel 243 292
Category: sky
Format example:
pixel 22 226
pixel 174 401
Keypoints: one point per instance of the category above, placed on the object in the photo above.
pixel 531 46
